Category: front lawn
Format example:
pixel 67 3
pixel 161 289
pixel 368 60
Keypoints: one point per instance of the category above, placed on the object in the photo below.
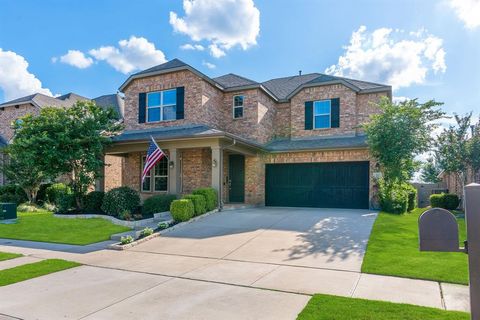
pixel 340 308
pixel 393 250
pixel 43 226
pixel 8 256
pixel 33 270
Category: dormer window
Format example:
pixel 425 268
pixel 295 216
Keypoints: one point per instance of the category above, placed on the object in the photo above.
pixel 162 105
pixel 238 107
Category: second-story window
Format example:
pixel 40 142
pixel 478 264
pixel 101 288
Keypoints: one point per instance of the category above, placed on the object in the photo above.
pixel 322 114
pixel 238 107
pixel 161 105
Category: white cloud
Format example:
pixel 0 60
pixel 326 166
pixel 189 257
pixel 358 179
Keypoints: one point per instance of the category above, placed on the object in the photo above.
pixel 468 11
pixel 215 51
pixel 133 54
pixel 75 58
pixel 391 56
pixel 209 65
pixel 223 23
pixel 15 79
pixel 189 46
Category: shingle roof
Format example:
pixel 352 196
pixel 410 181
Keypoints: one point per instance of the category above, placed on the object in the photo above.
pixel 42 100
pixel 232 80
pixel 166 133
pixel 282 87
pixel 172 64
pixel 114 101
pixel 317 143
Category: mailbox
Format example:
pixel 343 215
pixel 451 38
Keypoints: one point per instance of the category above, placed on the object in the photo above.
pixel 438 231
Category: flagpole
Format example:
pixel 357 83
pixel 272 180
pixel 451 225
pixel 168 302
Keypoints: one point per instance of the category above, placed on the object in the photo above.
pixel 159 148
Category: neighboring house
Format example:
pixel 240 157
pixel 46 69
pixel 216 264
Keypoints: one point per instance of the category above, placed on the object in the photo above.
pixel 453 183
pixel 12 110
pixel 293 141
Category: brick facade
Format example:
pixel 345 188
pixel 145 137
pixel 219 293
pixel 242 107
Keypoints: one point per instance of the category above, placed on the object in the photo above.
pixel 196 169
pixel 8 116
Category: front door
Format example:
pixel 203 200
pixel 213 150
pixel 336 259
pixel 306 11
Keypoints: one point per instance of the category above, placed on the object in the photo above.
pixel 236 168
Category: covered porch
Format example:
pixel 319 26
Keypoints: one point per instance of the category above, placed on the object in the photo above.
pixel 208 158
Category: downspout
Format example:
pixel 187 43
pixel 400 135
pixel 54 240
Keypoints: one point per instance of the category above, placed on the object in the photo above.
pixel 220 191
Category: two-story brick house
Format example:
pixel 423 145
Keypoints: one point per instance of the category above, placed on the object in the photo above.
pixel 293 141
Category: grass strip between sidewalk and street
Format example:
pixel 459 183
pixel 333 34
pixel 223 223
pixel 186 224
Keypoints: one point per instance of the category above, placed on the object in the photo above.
pixel 8 256
pixel 326 307
pixel 33 270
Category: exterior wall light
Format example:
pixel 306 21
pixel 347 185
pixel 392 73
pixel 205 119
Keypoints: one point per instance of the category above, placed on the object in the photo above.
pixel 171 164
pixel 214 163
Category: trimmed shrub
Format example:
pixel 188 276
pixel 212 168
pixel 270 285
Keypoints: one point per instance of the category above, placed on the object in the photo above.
pixel 146 232
pixel 412 197
pixel 447 201
pixel 199 203
pixel 119 200
pixel 55 191
pixel 393 199
pixel 436 200
pixel 210 195
pixel 158 203
pixel 93 201
pixel 12 193
pixel 182 210
pixel 65 202
pixel 126 239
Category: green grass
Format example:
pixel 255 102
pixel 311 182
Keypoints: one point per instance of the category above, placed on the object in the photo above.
pixel 339 308
pixel 393 250
pixel 8 256
pixel 33 270
pixel 43 226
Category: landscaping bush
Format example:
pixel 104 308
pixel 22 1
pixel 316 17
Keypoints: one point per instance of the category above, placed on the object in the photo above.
pixel 28 207
pixel 65 202
pixel 55 191
pixel 119 200
pixel 126 239
pixel 158 203
pixel 182 210
pixel 393 199
pixel 210 195
pixel 42 193
pixel 412 197
pixel 199 203
pixel 12 193
pixel 146 232
pixel 93 202
pixel 447 201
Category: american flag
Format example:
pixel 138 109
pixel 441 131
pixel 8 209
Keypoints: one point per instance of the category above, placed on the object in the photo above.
pixel 154 154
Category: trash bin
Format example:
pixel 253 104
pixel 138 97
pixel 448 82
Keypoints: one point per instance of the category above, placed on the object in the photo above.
pixel 8 211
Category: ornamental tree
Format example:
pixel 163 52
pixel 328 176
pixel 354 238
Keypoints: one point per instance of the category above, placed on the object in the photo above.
pixel 67 141
pixel 399 133
pixel 430 171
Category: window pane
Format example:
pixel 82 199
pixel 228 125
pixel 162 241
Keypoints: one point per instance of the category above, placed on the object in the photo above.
pixel 146 184
pixel 322 107
pixel 170 113
pixel 161 168
pixel 238 112
pixel 154 99
pixel 153 114
pixel 170 97
pixel 238 101
pixel 322 122
pixel 161 184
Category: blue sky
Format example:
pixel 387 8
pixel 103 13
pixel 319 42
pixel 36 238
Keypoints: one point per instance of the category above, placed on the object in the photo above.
pixel 425 49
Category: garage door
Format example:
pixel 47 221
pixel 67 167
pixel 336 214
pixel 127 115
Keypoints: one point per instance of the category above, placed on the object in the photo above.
pixel 322 185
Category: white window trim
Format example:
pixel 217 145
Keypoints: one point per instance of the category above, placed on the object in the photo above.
pixel 236 107
pixel 152 179
pixel 329 114
pixel 161 106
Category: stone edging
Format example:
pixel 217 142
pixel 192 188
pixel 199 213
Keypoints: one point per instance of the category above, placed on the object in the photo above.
pixel 131 224
pixel 118 246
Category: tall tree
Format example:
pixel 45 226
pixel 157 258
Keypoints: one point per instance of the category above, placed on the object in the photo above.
pixel 430 171
pixel 451 148
pixel 399 133
pixel 67 141
pixel 473 149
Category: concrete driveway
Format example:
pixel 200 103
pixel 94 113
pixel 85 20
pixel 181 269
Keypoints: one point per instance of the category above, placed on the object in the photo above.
pixel 317 238
pixel 214 268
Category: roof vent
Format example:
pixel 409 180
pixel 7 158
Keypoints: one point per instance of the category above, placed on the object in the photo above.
pixel 299 72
